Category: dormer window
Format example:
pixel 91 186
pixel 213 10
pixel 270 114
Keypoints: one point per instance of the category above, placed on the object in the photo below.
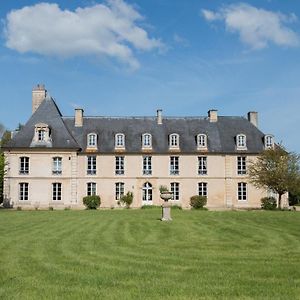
pixel 42 136
pixel 201 141
pixel 269 141
pixel 147 140
pixel 174 140
pixel 241 142
pixel 92 140
pixel 120 140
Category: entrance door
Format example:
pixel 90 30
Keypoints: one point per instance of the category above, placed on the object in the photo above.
pixel 147 193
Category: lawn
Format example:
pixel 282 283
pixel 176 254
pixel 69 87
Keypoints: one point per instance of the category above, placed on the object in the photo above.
pixel 130 254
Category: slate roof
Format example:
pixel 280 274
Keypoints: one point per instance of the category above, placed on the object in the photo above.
pixel 220 135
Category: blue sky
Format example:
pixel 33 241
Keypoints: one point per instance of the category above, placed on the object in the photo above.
pixel 131 57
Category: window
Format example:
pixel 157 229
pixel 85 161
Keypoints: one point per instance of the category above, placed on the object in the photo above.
pixel 202 189
pixel 174 165
pixel 119 190
pixel 174 140
pixel 202 165
pixel 91 165
pixel 241 165
pixel 201 141
pixel 175 190
pixel 92 140
pixel 119 165
pixel 120 140
pixel 23 191
pixel 56 191
pixel 147 166
pixel 269 141
pixel 41 135
pixel 147 140
pixel 241 141
pixel 242 191
pixel 24 165
pixel 91 189
pixel 56 165
pixel 147 192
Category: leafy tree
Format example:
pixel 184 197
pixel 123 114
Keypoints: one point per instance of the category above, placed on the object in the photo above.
pixel 277 170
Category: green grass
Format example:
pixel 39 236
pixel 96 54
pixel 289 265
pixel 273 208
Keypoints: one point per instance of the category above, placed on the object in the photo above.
pixel 130 254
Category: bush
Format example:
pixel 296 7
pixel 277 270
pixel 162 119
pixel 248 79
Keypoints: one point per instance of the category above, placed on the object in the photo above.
pixel 197 202
pixel 127 199
pixel 92 202
pixel 268 203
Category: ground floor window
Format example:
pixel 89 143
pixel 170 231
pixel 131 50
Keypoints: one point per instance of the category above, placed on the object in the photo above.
pixel 91 188
pixel 202 189
pixel 56 191
pixel 147 192
pixel 119 190
pixel 242 191
pixel 23 191
pixel 175 190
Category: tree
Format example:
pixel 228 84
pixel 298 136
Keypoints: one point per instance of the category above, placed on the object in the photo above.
pixel 277 170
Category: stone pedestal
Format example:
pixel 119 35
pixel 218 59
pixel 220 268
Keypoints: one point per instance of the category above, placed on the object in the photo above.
pixel 166 212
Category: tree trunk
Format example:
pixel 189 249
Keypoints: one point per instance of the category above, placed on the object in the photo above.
pixel 279 201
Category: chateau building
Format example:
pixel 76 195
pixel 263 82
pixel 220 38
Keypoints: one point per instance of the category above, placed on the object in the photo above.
pixel 56 161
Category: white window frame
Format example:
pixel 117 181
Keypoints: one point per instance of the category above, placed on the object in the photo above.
pixel 57 165
pixel 241 165
pixel 119 190
pixel 147 165
pixel 202 189
pixel 91 165
pixel 147 192
pixel 202 141
pixel 242 192
pixel 174 140
pixel 92 140
pixel 24 165
pixel 241 142
pixel 120 165
pixel 23 191
pixel 91 188
pixel 56 191
pixel 202 165
pixel 41 135
pixel 147 140
pixel 174 165
pixel 269 141
pixel 120 140
pixel 174 187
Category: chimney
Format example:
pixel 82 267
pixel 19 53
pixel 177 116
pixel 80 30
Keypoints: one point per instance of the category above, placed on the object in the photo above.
pixel 213 115
pixel 159 116
pixel 253 118
pixel 78 117
pixel 38 95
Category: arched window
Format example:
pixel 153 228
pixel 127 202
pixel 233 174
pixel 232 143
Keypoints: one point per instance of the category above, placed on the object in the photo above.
pixel 174 140
pixel 146 140
pixel 120 140
pixel 147 192
pixel 92 140
pixel 201 141
pixel 269 141
pixel 241 141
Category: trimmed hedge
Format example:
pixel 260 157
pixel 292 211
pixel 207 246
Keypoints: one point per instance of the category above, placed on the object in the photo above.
pixel 197 202
pixel 92 202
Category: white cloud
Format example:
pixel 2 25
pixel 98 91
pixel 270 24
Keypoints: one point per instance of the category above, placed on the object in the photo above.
pixel 256 27
pixel 180 40
pixel 109 29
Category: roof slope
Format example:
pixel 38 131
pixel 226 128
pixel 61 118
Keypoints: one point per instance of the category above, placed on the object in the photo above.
pixel 47 113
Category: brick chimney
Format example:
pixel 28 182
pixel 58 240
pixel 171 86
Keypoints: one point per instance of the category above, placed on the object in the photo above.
pixel 159 116
pixel 38 95
pixel 79 117
pixel 213 115
pixel 253 118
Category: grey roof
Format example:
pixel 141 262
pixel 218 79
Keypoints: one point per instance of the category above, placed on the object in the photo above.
pixel 47 113
pixel 221 134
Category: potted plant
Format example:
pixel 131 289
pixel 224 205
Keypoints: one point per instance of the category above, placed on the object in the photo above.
pixel 165 194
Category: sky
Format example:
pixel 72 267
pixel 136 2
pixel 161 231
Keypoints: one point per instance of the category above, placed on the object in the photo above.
pixel 131 57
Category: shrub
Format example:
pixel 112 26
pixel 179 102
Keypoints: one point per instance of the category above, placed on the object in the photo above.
pixel 197 202
pixel 268 203
pixel 92 202
pixel 163 188
pixel 127 199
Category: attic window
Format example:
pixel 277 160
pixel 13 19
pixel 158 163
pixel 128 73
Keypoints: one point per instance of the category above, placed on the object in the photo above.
pixel 241 142
pixel 201 141
pixel 42 135
pixel 147 140
pixel 269 141
pixel 120 140
pixel 92 140
pixel 174 140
